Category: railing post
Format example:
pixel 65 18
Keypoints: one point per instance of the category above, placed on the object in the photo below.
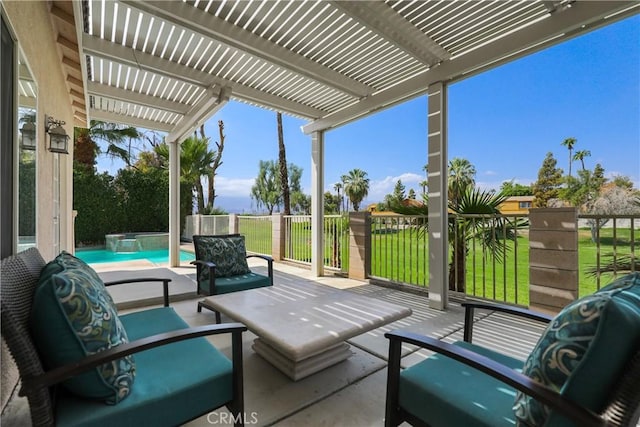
pixel 553 258
pixel 359 245
pixel 233 224
pixel 277 236
pixel 197 224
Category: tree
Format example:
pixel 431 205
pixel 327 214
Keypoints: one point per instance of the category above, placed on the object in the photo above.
pixel 114 135
pixel 580 155
pixel 356 186
pixel 338 186
pixel 511 188
pixel 300 202
pixel 569 143
pixel 398 191
pixel 195 162
pixel 425 183
pixel 548 183
pixel 580 190
pixel 623 182
pixel 466 200
pixel 266 190
pixel 598 176
pixel 282 161
pixel 215 164
pixel 331 203
pixel 412 194
pixel 461 177
pixel 613 200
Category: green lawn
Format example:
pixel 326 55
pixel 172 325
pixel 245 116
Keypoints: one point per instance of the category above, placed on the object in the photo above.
pixel 401 255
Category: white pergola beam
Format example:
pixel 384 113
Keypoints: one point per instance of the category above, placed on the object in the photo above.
pixel 209 25
pixel 210 103
pixel 580 16
pixel 390 25
pixel 125 55
pixel 108 116
pixel 78 17
pixel 125 95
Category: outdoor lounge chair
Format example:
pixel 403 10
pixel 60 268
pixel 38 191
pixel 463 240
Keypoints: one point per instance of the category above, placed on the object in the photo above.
pixel 167 374
pixel 584 370
pixel 221 262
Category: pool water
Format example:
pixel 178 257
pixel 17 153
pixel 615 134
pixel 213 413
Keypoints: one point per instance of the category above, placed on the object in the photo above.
pixel 157 256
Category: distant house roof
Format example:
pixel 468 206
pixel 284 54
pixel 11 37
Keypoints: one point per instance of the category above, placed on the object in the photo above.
pixel 520 198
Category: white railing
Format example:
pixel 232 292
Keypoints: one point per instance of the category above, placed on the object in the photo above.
pixel 297 237
pixel 205 224
pixel 257 231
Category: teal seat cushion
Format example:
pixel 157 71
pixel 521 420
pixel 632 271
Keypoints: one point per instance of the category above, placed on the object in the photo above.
pixel 225 285
pixel 444 392
pixel 173 382
pixel 584 349
pixel 229 254
pixel 73 316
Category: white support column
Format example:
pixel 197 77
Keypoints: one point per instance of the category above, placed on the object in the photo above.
pixel 317 203
pixel 437 179
pixel 174 204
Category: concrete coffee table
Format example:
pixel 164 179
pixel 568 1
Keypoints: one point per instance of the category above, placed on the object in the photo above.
pixel 302 328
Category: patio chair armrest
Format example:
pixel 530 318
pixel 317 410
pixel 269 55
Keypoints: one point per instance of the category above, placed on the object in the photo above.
pixel 470 306
pixel 211 266
pixel 65 372
pixel 519 381
pixel 269 263
pixel 165 285
pixel 199 262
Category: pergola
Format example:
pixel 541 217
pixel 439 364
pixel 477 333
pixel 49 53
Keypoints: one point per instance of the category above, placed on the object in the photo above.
pixel 170 65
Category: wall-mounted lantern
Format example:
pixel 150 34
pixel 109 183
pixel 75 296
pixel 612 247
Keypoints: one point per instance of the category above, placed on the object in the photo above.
pixel 58 138
pixel 28 132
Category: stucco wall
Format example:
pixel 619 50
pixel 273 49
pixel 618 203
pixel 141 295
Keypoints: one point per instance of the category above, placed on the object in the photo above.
pixel 31 25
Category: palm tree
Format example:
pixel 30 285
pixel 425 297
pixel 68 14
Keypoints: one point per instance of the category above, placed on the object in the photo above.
pixel 461 177
pixel 425 183
pixel 345 200
pixel 282 162
pixel 195 162
pixel 356 186
pixel 465 199
pixel 338 186
pixel 580 155
pixel 569 143
pixel 114 135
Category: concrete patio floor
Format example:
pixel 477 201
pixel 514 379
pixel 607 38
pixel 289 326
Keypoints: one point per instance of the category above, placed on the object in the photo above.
pixel 351 393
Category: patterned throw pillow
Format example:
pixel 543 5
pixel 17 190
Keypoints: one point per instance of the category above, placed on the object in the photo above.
pixel 580 340
pixel 73 316
pixel 227 253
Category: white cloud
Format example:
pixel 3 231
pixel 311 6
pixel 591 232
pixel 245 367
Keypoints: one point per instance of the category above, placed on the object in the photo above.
pixel 234 187
pixel 380 188
pixel 491 173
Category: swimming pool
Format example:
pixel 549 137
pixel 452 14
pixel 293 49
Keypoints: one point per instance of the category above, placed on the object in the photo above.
pixel 156 256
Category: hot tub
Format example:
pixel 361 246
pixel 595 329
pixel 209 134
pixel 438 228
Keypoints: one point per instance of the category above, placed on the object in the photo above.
pixel 135 242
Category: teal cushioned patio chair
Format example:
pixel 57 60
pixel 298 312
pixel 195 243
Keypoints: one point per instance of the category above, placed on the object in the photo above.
pixel 179 375
pixel 584 370
pixel 221 262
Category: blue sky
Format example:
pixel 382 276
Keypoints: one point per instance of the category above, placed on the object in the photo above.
pixel 503 121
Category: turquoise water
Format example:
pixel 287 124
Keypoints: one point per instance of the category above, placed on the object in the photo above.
pixel 159 256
